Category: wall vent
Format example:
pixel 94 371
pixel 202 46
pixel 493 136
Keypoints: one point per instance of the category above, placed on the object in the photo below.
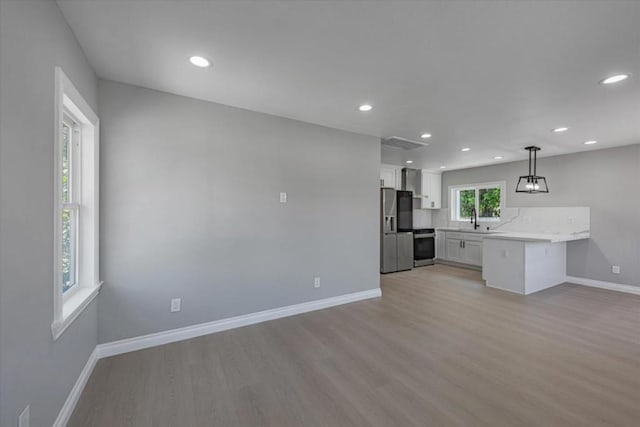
pixel 404 144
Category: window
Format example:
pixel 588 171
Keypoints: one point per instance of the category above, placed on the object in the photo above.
pixel 486 199
pixel 70 208
pixel 76 275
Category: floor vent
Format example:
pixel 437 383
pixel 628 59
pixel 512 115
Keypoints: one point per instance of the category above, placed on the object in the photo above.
pixel 405 144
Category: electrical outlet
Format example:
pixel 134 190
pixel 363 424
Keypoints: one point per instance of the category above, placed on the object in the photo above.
pixel 615 269
pixel 175 304
pixel 283 197
pixel 316 282
pixel 23 418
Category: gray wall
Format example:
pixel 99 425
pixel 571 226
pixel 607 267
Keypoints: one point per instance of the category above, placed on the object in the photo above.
pixel 33 369
pixel 606 181
pixel 190 208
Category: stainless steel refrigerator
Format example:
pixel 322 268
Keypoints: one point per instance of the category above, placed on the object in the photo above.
pixel 396 230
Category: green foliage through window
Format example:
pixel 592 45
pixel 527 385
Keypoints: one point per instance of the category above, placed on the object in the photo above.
pixel 69 211
pixel 486 201
pixel 489 202
pixel 467 203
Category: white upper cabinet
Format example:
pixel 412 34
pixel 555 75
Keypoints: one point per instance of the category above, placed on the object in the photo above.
pixel 431 190
pixel 391 176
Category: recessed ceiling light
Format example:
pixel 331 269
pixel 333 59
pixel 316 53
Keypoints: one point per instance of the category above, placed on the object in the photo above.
pixel 465 149
pixel 200 61
pixel 443 167
pixel 614 79
pixel 365 107
pixel 498 158
pixel 560 129
pixel 409 162
pixel 425 136
pixel 590 142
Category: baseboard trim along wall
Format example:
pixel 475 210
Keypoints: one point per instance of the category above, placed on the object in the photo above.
pixel 76 391
pixel 174 335
pixel 604 285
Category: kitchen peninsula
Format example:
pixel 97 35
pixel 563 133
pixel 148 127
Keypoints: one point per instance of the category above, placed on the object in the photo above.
pixel 526 262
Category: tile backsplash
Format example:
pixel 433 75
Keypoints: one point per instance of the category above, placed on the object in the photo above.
pixel 422 218
pixel 553 220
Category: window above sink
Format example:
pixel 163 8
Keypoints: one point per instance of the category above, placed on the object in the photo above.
pixel 488 199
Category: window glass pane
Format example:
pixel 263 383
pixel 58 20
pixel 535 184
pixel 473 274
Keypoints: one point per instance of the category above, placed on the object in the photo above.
pixel 489 202
pixel 69 253
pixel 467 202
pixel 66 163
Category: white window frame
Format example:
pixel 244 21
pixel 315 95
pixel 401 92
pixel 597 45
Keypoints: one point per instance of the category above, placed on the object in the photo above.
pixel 454 202
pixel 69 103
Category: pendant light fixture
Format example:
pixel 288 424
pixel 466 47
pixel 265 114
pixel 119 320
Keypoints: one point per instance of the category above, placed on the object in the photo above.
pixel 532 183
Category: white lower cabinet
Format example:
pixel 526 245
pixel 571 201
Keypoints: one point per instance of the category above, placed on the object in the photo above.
pixel 454 250
pixel 441 245
pixel 464 248
pixel 473 252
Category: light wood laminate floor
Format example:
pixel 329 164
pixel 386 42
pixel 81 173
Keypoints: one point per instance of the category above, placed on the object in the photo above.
pixel 437 349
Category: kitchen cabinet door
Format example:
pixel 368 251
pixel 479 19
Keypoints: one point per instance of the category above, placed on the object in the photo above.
pixel 387 177
pixel 431 191
pixel 391 176
pixel 435 191
pixel 454 250
pixel 441 245
pixel 472 252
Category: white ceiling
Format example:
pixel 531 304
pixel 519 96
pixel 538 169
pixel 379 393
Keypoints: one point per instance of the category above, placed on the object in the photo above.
pixel 492 76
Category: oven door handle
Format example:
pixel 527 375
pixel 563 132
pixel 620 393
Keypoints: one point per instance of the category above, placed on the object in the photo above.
pixel 424 236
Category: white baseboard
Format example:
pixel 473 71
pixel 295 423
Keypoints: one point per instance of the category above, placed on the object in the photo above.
pixel 76 391
pixel 173 335
pixel 604 285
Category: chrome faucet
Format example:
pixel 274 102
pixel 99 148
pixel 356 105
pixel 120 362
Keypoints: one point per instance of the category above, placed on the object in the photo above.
pixel 474 219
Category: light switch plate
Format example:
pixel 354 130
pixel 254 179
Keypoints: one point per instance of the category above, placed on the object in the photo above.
pixel 283 197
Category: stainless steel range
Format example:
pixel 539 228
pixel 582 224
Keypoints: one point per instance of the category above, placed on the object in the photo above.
pixel 424 246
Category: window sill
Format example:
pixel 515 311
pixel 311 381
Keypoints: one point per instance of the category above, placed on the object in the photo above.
pixel 72 308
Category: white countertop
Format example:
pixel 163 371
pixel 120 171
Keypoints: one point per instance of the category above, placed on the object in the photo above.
pixel 523 236
pixel 538 237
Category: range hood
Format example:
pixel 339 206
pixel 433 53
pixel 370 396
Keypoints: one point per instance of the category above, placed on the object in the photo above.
pixel 412 181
